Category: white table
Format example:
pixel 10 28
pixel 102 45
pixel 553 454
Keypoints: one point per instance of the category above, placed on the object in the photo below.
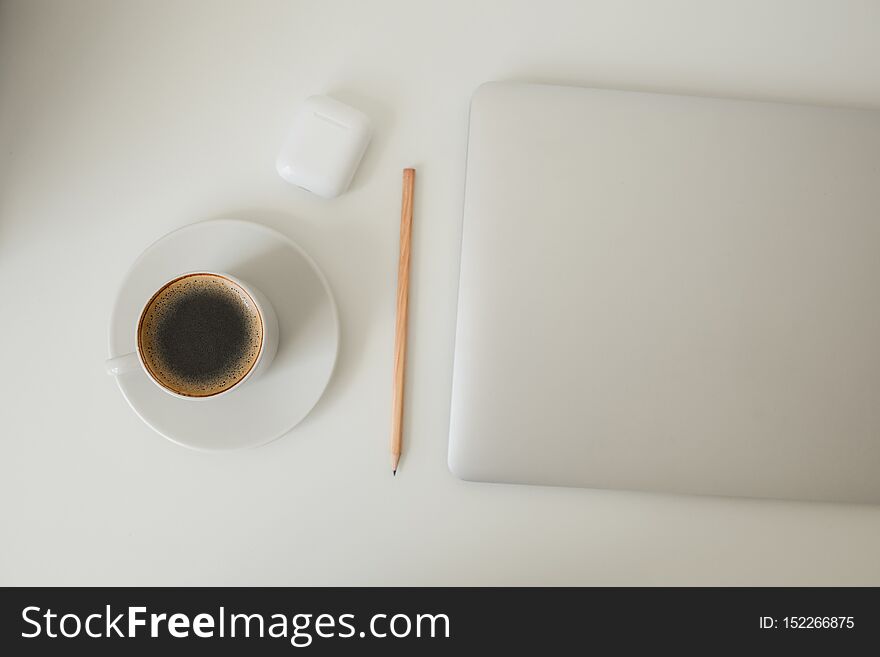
pixel 120 121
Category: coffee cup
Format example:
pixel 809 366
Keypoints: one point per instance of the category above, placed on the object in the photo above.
pixel 202 335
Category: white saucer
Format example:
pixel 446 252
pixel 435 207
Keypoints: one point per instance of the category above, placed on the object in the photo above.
pixel 270 406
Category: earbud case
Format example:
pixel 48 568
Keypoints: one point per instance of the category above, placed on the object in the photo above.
pixel 324 146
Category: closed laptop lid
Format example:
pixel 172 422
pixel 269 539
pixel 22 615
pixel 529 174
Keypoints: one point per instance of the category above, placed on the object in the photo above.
pixel 669 293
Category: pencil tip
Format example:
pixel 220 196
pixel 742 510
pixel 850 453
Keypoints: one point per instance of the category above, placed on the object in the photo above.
pixel 394 473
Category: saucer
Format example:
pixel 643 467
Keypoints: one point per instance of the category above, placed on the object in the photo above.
pixel 263 409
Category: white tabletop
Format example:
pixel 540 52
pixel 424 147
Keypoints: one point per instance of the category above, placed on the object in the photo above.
pixel 120 121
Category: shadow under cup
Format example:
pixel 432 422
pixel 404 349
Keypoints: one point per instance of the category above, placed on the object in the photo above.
pixel 200 335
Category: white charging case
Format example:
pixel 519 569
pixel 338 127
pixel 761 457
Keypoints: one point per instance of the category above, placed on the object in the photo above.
pixel 324 146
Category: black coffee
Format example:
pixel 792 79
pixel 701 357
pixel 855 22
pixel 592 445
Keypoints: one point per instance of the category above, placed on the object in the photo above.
pixel 200 335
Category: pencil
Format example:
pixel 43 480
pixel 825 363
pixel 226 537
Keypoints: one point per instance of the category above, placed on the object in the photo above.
pixel 406 213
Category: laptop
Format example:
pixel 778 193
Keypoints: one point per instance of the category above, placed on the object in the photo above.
pixel 669 293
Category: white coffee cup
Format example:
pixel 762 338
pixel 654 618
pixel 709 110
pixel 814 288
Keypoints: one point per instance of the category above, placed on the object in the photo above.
pixel 260 356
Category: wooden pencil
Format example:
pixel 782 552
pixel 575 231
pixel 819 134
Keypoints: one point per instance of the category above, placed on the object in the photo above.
pixel 406 213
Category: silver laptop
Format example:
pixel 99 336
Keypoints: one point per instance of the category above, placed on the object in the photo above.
pixel 669 293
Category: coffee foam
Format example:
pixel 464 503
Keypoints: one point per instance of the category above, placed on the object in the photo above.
pixel 163 306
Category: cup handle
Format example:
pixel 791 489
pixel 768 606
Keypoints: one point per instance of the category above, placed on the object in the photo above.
pixel 122 364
